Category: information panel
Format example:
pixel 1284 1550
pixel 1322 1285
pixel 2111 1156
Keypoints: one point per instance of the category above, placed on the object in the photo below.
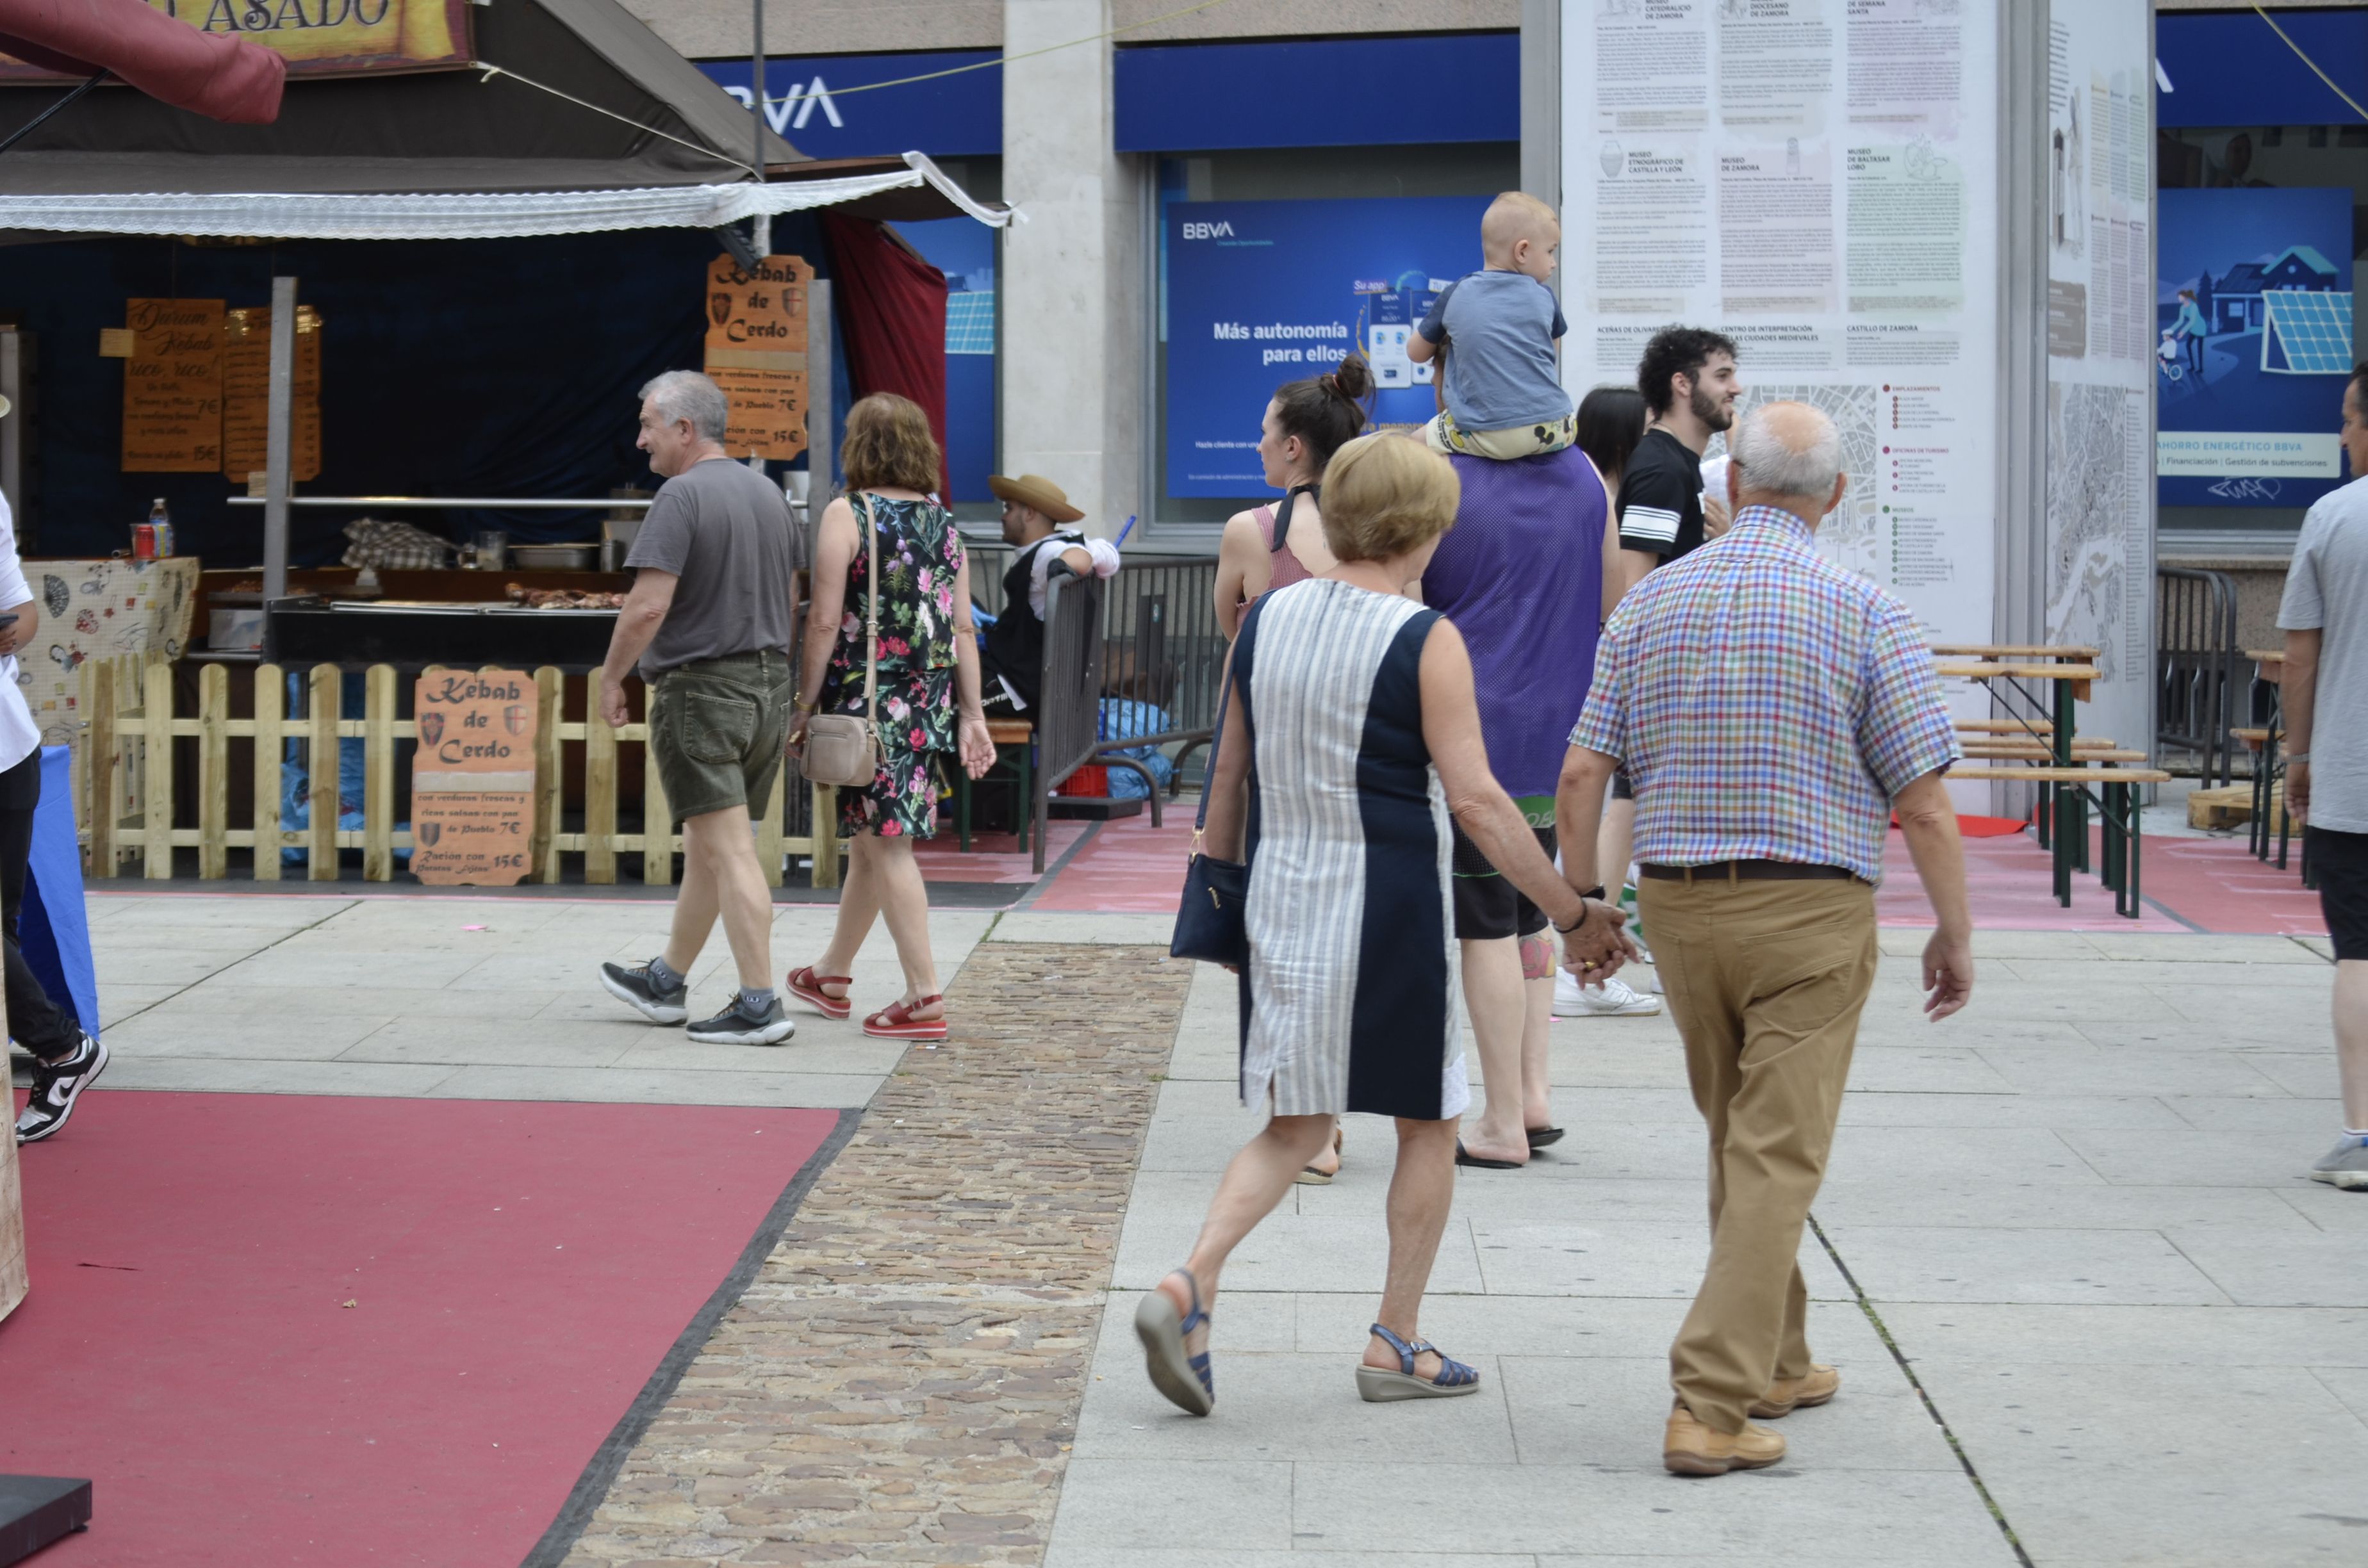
pixel 2101 358
pixel 473 778
pixel 1816 179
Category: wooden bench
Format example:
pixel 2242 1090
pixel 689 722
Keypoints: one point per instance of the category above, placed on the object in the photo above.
pixel 2080 753
pixel 2073 788
pixel 1014 732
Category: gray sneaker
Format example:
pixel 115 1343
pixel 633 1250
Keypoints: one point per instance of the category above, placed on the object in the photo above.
pixel 736 1025
pixel 2345 1165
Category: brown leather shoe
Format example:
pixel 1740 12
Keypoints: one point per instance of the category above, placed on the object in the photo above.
pixel 1688 1447
pixel 1786 1396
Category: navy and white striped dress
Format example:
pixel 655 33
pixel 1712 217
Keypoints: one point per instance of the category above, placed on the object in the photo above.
pixel 1350 998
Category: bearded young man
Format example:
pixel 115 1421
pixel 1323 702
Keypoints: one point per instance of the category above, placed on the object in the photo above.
pixel 1688 380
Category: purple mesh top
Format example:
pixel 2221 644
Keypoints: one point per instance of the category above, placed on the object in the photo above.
pixel 1521 576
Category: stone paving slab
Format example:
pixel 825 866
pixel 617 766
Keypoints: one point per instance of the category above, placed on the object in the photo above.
pixel 469 998
pixel 901 1383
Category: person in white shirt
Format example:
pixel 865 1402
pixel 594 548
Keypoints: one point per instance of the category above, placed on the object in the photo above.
pixel 65 1058
pixel 1033 507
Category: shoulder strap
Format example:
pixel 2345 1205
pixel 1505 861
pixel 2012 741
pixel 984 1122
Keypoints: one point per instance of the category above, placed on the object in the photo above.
pixel 1217 735
pixel 871 616
pixel 1282 517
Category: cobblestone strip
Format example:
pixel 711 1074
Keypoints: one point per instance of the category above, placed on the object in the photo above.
pixel 902 1381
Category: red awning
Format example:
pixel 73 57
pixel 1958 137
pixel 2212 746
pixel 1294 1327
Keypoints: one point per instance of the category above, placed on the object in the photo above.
pixel 209 74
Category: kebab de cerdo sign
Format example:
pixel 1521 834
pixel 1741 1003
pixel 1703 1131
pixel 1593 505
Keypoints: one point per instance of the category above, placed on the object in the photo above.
pixel 473 776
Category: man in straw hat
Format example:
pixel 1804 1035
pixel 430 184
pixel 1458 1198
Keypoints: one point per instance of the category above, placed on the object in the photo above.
pixel 1033 509
pixel 65 1058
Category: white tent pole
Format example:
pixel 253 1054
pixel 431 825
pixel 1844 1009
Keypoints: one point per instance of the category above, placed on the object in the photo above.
pixel 280 453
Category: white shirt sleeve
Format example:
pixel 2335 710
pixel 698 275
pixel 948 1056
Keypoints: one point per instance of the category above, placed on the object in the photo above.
pixel 14 589
pixel 1105 560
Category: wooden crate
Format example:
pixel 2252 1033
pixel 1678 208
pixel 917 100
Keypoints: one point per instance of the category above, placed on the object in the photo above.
pixel 2230 807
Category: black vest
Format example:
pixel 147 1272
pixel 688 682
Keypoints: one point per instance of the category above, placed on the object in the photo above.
pixel 1015 643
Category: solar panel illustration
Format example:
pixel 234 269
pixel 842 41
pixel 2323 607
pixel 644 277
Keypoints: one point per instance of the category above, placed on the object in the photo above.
pixel 2307 333
pixel 970 321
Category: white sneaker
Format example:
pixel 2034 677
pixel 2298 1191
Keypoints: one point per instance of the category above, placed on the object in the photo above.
pixel 1612 999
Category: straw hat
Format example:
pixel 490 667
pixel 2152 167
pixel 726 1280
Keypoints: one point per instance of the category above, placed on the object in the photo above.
pixel 1035 490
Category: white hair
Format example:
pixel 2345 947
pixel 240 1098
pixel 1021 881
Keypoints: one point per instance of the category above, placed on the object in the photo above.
pixel 1766 461
pixel 687 394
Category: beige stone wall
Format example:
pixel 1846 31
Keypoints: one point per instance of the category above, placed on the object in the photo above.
pixel 710 28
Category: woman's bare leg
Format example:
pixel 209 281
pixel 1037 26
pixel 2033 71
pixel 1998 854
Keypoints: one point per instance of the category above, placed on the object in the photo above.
pixel 1420 1192
pixel 1255 1181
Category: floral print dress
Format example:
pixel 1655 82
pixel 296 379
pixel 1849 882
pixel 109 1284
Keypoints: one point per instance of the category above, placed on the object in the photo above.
pixel 919 554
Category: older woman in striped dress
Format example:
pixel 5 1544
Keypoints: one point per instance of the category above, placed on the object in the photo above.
pixel 1352 736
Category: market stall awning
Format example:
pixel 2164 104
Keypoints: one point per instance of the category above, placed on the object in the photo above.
pixel 568 115
pixel 463 215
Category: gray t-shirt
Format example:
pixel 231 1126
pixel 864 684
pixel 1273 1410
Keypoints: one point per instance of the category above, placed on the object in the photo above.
pixel 1500 329
pixel 2326 591
pixel 727 531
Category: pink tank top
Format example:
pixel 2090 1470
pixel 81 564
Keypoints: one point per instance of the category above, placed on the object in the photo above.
pixel 1288 567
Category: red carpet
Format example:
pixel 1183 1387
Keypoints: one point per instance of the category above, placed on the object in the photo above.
pixel 515 1273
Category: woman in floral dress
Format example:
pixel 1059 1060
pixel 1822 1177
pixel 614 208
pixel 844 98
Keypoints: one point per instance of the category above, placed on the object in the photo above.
pixel 928 697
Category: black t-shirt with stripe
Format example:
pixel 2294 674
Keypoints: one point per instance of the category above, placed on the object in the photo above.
pixel 1660 497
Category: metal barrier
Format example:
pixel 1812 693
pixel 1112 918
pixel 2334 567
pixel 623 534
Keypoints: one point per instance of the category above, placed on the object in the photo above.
pixel 2195 666
pixel 1163 647
pixel 1068 706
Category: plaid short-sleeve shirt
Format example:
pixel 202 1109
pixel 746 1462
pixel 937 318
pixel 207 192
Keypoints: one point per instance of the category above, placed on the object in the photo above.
pixel 1767 704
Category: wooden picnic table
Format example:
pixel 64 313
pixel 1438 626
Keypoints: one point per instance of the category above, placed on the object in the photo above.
pixel 2013 651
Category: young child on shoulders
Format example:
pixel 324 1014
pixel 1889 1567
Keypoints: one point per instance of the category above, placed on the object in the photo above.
pixel 1504 398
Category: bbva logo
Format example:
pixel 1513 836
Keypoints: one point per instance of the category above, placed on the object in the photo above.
pixel 1220 230
pixel 791 110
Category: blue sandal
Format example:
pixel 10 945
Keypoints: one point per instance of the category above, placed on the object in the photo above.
pixel 1377 1386
pixel 1185 1378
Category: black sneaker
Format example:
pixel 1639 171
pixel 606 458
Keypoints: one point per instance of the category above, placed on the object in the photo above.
pixel 637 990
pixel 738 1026
pixel 56 1088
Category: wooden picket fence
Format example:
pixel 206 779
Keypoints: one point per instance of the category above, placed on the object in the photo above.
pixel 126 803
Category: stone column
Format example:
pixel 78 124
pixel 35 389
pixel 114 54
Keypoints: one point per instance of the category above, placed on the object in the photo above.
pixel 1070 349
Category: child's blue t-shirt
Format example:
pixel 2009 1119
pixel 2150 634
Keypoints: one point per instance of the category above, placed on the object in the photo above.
pixel 1500 329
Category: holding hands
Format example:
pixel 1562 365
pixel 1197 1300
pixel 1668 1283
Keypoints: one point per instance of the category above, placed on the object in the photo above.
pixel 1596 948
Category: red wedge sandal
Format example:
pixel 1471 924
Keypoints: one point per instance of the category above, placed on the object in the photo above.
pixel 897 1022
pixel 807 987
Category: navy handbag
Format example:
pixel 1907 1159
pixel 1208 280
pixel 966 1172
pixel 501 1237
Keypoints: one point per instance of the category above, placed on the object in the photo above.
pixel 1209 923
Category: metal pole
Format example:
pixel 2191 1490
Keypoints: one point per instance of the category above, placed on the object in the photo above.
pixel 819 450
pixel 281 452
pixel 762 230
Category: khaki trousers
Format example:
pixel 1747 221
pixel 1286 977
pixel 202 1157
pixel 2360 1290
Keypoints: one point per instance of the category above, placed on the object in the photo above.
pixel 1766 981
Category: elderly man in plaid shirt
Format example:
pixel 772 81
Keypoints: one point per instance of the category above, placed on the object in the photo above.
pixel 1774 710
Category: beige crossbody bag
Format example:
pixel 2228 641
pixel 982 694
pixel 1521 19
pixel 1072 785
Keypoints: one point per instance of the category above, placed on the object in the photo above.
pixel 842 750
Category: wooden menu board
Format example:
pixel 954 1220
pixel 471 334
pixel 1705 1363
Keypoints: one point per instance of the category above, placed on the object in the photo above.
pixel 473 776
pixel 756 352
pixel 246 394
pixel 172 386
pixel 764 308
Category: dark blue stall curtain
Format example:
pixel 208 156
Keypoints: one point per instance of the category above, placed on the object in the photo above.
pixel 506 368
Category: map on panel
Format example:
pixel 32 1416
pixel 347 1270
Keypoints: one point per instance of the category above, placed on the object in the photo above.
pixel 1854 535
pixel 2096 451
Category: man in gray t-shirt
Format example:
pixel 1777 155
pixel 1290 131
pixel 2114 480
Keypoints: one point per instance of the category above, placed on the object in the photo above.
pixel 2324 617
pixel 708 622
pixel 725 534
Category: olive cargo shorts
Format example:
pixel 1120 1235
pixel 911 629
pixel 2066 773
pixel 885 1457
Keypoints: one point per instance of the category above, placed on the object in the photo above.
pixel 719 726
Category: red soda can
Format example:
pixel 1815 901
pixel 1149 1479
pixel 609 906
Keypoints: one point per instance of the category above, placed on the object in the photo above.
pixel 143 542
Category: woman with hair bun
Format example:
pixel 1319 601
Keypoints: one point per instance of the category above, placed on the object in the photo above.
pixel 1267 546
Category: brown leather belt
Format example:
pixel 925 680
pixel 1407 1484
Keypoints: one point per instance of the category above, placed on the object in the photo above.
pixel 1752 871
